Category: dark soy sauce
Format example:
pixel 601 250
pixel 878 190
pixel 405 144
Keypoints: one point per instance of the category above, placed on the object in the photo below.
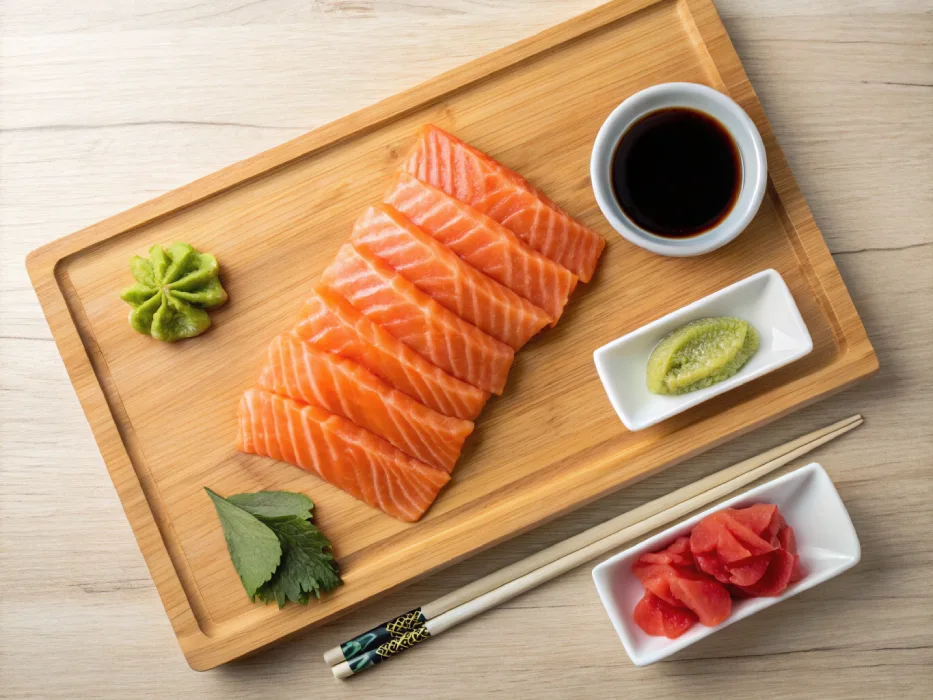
pixel 676 172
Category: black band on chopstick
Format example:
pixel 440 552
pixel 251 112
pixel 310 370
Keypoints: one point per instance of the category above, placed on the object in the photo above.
pixel 383 635
pixel 386 651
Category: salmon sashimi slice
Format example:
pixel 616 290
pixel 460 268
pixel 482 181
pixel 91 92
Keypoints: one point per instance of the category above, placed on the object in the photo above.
pixel 339 451
pixel 444 161
pixel 436 270
pixel 300 371
pixel 333 324
pixel 484 243
pixel 435 333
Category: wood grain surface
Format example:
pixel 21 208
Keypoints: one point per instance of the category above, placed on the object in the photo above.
pixel 105 104
pixel 275 221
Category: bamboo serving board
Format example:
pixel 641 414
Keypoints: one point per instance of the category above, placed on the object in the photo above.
pixel 164 415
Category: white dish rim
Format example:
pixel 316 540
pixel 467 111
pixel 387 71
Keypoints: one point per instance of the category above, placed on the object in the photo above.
pixel 728 113
pixel 684 402
pixel 605 569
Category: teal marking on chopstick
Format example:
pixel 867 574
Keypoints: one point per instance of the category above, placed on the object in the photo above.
pixel 386 651
pixel 383 634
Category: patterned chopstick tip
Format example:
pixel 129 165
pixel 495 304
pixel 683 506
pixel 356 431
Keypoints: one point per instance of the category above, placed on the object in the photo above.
pixel 386 651
pixel 384 634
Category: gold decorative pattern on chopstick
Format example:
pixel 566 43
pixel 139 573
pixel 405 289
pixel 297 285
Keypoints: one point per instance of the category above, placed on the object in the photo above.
pixel 377 637
pixel 388 650
pixel 443 613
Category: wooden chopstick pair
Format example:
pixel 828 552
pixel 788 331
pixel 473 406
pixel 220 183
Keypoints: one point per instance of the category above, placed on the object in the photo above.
pixel 433 618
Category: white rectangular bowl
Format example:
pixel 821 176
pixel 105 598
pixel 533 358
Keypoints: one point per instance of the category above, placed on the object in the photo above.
pixel 826 542
pixel 762 299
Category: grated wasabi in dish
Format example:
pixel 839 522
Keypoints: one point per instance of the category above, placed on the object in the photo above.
pixel 702 353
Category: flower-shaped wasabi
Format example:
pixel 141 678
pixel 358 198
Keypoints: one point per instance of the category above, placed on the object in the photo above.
pixel 173 289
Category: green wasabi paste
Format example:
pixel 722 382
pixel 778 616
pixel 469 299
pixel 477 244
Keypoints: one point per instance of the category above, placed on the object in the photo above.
pixel 174 288
pixel 700 354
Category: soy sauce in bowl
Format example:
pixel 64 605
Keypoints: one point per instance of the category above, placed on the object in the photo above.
pixel 676 172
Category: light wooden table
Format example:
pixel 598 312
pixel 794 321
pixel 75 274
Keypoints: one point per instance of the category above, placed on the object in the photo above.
pixel 106 103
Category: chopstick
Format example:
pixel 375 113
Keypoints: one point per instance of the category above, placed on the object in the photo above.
pixel 439 615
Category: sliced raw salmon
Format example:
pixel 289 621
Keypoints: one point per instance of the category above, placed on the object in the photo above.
pixel 435 333
pixel 298 370
pixel 340 452
pixel 333 324
pixel 444 161
pixel 438 272
pixel 483 243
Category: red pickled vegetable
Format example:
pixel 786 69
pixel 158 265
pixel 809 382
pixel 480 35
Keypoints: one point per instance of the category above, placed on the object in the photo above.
pixel 688 588
pixel 704 596
pixel 704 537
pixel 710 564
pixel 777 576
pixel 678 554
pixel 763 519
pixel 660 586
pixel 748 538
pixel 788 541
pixel 662 619
pixel 746 572
pixel 730 554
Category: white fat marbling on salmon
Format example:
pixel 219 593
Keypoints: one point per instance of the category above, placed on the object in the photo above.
pixel 340 452
pixel 332 324
pixel 299 370
pixel 436 270
pixel 483 243
pixel 432 331
pixel 442 160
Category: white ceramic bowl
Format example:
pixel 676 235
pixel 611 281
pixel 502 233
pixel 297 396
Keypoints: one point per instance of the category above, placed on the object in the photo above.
pixel 826 542
pixel 762 299
pixel 722 109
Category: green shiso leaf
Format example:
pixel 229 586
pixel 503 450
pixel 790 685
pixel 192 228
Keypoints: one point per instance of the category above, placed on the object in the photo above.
pixel 278 553
pixel 254 548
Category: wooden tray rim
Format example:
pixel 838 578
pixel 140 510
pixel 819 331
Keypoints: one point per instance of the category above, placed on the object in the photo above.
pixel 206 646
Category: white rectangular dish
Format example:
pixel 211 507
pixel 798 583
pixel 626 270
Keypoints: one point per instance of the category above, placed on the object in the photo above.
pixel 826 542
pixel 762 299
